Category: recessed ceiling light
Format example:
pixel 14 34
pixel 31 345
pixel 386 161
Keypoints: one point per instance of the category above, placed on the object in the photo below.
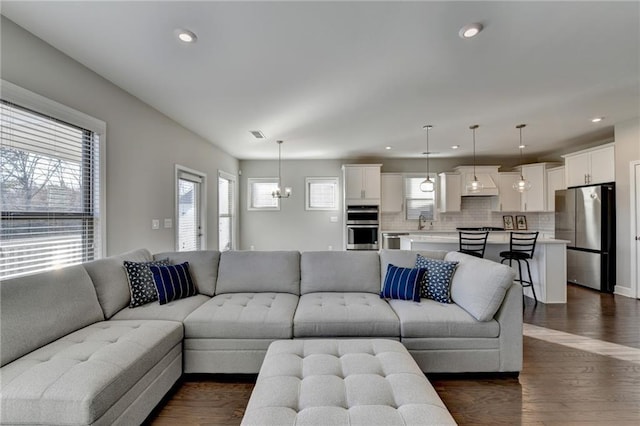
pixel 470 30
pixel 257 134
pixel 387 147
pixel 186 36
pixel 597 119
pixel 455 146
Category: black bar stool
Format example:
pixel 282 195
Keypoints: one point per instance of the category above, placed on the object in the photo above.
pixel 521 248
pixel 473 243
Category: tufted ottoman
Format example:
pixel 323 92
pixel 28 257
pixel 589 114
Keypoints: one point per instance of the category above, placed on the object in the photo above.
pixel 342 382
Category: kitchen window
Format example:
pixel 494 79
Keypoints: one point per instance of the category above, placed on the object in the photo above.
pixel 321 193
pixel 260 192
pixel 417 202
pixel 51 162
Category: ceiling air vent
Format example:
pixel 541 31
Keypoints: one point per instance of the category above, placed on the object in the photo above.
pixel 257 134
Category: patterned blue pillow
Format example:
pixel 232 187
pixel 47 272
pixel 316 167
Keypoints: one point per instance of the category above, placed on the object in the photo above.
pixel 436 284
pixel 402 283
pixel 140 278
pixel 173 282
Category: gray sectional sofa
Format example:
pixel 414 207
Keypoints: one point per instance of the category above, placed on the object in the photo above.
pixel 73 352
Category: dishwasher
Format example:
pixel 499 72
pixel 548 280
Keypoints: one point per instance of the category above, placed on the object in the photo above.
pixel 391 240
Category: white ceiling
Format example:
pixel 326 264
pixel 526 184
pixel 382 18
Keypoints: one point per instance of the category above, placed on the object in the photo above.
pixel 345 79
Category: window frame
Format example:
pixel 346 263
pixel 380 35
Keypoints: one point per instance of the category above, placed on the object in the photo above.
pixel 407 198
pixel 250 182
pixel 307 192
pixel 41 105
pixel 234 214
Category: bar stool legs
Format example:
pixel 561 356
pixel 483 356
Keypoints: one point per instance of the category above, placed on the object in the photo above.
pixel 524 283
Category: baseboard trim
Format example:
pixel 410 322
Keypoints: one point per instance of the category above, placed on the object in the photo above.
pixel 623 291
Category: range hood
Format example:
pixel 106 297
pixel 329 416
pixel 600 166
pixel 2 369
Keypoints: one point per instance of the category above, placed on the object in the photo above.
pixel 485 175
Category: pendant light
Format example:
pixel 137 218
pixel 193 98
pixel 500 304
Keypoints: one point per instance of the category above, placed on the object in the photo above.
pixel 287 190
pixel 522 185
pixel 475 185
pixel 427 185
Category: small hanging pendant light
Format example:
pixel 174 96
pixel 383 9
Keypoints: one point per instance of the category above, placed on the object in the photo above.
pixel 427 185
pixel 521 185
pixel 475 185
pixel 287 190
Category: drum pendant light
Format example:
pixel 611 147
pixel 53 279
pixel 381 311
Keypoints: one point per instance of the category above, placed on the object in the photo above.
pixel 427 185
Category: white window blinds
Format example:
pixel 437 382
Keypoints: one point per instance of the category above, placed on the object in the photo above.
pixel 189 220
pixel 260 194
pixel 226 211
pixel 418 202
pixel 49 185
pixel 322 193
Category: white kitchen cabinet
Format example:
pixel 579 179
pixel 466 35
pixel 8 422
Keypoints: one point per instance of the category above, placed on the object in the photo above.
pixel 508 199
pixel 590 166
pixel 362 183
pixel 535 199
pixel 449 192
pixel 391 193
pixel 555 182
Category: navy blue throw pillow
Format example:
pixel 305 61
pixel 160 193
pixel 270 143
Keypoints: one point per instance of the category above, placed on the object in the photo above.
pixel 436 284
pixel 402 283
pixel 173 282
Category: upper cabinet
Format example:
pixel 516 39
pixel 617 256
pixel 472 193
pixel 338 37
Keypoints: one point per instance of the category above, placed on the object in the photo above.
pixel 555 182
pixel 508 199
pixel 590 166
pixel 391 196
pixel 536 198
pixel 449 192
pixel 362 183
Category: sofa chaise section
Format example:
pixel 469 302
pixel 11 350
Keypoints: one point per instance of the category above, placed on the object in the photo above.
pixel 63 364
pixel 255 299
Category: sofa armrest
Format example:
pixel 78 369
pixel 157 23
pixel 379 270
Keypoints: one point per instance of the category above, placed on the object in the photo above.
pixel 509 316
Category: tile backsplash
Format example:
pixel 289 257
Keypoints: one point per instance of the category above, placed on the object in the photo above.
pixel 475 212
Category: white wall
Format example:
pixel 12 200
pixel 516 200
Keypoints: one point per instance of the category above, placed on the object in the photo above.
pixel 292 227
pixel 627 148
pixel 143 145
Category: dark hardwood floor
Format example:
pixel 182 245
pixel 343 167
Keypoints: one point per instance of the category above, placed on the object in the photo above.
pixel 582 367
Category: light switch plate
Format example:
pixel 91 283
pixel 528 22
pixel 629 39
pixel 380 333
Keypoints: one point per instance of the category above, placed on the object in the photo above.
pixel 334 219
pixel 168 223
pixel 155 223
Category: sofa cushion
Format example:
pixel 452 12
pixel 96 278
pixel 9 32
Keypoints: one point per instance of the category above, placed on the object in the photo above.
pixel 429 318
pixel 479 285
pixel 176 310
pixel 243 316
pixel 344 314
pixel 110 279
pixel 142 289
pixel 173 282
pixel 404 258
pixel 351 271
pixel 38 309
pixel 436 283
pixel 402 283
pixel 77 378
pixel 259 271
pixel 203 265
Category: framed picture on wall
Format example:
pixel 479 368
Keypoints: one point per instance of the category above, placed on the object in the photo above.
pixel 521 222
pixel 507 221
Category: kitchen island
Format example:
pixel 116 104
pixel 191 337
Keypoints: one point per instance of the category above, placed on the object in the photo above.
pixel 548 266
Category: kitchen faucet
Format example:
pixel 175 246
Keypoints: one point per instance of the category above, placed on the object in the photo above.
pixel 421 218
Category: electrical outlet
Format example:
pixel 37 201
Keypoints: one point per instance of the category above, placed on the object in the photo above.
pixel 155 223
pixel 168 223
pixel 333 219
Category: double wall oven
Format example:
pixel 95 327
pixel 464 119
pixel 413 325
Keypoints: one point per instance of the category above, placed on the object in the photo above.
pixel 362 227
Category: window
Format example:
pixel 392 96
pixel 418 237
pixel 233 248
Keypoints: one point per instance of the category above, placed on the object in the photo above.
pixel 226 211
pixel 49 184
pixel 259 193
pixel 190 193
pixel 321 193
pixel 418 202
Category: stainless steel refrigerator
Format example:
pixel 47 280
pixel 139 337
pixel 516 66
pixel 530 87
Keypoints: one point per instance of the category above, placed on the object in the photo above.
pixel 586 216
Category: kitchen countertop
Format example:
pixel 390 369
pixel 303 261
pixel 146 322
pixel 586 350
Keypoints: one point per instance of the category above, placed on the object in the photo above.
pixel 495 237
